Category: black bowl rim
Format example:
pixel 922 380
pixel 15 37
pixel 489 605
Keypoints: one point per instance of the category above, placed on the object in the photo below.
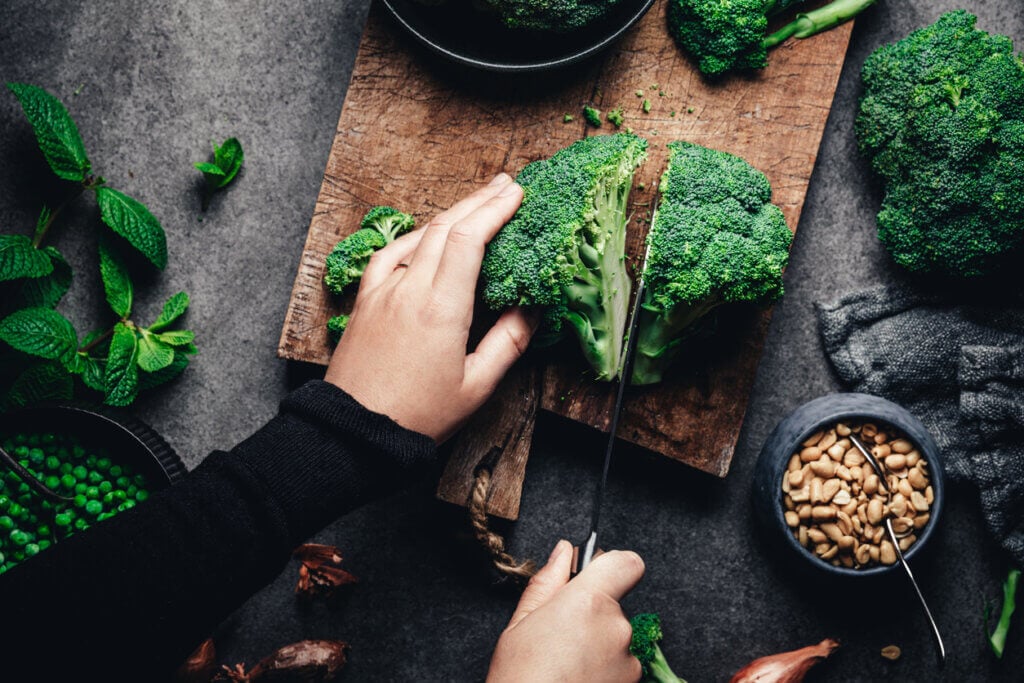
pixel 841 407
pixel 147 438
pixel 523 67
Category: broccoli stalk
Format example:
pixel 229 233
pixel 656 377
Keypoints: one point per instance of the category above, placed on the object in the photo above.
pixel 715 238
pixel 564 248
pixel 349 258
pixel 644 646
pixel 724 35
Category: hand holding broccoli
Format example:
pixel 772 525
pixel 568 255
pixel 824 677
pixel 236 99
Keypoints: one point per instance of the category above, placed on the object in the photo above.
pixel 404 351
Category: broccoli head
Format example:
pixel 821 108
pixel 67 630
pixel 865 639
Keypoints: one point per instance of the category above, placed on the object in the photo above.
pixel 349 258
pixel 564 248
pixel 942 123
pixel 724 35
pixel 644 646
pixel 715 238
pixel 556 16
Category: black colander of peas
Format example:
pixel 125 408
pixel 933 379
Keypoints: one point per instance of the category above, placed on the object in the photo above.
pixel 98 488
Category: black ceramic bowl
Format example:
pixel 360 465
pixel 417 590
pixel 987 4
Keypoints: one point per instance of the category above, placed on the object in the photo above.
pixel 128 440
pixel 787 439
pixel 477 39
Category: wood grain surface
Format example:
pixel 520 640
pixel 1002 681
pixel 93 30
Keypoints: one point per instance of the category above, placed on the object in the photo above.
pixel 418 133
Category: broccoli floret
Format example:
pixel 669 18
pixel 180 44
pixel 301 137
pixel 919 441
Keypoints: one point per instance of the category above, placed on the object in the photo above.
pixel 942 123
pixel 336 327
pixel 644 646
pixel 715 238
pixel 347 261
pixel 563 250
pixel 592 116
pixel 615 117
pixel 733 34
pixel 556 16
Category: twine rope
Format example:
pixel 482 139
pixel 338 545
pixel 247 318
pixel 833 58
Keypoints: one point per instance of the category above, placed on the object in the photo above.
pixel 491 540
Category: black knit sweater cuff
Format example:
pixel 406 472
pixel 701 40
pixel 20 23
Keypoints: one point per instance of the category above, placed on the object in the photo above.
pixel 325 454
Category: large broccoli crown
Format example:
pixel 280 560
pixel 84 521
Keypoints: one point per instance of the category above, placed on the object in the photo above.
pixel 558 16
pixel 942 122
pixel 716 235
pixel 537 254
pixel 347 261
pixel 716 238
pixel 388 221
pixel 564 248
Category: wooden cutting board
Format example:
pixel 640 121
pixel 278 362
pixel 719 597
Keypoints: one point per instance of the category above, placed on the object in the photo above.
pixel 418 133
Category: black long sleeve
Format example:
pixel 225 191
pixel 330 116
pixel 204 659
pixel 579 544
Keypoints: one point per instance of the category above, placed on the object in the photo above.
pixel 133 596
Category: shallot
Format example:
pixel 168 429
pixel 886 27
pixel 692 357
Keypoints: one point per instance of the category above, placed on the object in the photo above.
pixel 785 667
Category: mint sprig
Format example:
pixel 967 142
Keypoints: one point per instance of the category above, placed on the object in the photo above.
pixel 227 161
pixel 40 354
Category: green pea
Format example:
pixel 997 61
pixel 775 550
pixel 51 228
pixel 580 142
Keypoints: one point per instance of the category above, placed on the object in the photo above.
pixel 80 472
pixel 52 462
pixel 139 480
pixel 68 481
pixel 15 510
pixel 105 516
pixel 103 464
pixel 132 490
pixel 105 487
pixel 127 505
pixel 92 492
pixel 81 524
pixel 4 502
pixel 80 487
pixel 31 549
pixel 44 544
pixel 123 482
pixel 19 537
pixel 78 451
pixel 62 519
pixel 48 437
pixel 36 456
pixel 66 468
pixel 52 482
pixel 80 500
pixel 93 507
pixel 142 495
pixel 24 488
pixel 94 477
pixel 6 523
pixel 116 471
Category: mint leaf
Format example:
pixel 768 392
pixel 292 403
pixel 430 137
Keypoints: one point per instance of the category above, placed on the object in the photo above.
pixel 18 258
pixel 93 373
pixel 177 337
pixel 148 380
pixel 154 354
pixel 229 158
pixel 209 169
pixel 116 282
pixel 133 221
pixel 55 131
pixel 121 378
pixel 47 291
pixel 41 332
pixel 42 382
pixel 173 309
pixel 41 224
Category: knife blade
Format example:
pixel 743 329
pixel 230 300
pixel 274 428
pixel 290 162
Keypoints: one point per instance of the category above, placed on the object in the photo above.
pixel 585 553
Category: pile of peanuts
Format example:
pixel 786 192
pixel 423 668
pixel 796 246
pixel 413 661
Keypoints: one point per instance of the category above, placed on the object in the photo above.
pixel 836 505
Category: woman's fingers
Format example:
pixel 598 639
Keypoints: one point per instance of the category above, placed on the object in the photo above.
pixel 502 346
pixel 545 583
pixel 384 261
pixel 614 574
pixel 424 262
pixel 459 264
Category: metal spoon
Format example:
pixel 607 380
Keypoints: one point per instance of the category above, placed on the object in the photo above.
pixel 883 482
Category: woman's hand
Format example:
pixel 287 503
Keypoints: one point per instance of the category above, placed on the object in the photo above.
pixel 404 351
pixel 571 630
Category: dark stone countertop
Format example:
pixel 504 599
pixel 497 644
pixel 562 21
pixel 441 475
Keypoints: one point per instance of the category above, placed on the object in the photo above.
pixel 151 83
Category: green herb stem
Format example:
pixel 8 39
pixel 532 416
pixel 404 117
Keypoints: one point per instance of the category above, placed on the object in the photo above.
pixel 40 235
pixel 97 341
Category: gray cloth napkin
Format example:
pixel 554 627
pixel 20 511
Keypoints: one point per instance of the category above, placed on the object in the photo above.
pixel 959 368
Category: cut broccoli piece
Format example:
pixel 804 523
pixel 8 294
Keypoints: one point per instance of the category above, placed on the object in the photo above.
pixel 592 116
pixel 336 327
pixel 347 261
pixel 715 238
pixel 733 34
pixel 563 250
pixel 556 16
pixel 568 118
pixel 644 646
pixel 942 122
pixel 615 117
pixel 646 106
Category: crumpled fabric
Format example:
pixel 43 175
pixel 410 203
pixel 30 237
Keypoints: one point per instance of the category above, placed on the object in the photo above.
pixel 958 366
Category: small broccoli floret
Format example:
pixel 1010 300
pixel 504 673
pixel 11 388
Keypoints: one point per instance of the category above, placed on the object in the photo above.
pixel 349 258
pixel 942 122
pixel 336 327
pixel 646 106
pixel 615 117
pixel 555 16
pixel 592 116
pixel 715 238
pixel 568 118
pixel 644 646
pixel 724 35
pixel 563 249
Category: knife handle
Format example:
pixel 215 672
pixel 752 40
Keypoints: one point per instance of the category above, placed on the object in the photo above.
pixel 583 554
